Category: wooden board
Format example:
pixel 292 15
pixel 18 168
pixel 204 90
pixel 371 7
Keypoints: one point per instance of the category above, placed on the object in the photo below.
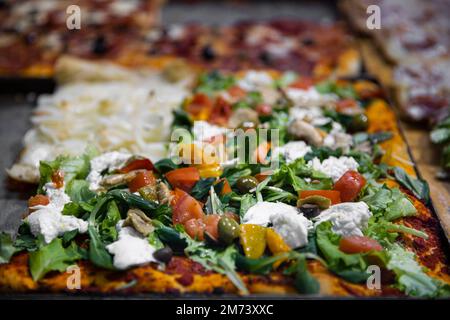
pixel 424 153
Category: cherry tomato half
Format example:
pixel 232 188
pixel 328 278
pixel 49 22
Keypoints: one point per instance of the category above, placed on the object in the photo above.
pixel 350 185
pixel 138 164
pixel 185 207
pixel 358 244
pixel 141 180
pixel 184 178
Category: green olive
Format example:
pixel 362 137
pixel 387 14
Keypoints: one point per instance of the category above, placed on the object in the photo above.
pixel 247 183
pixel 359 122
pixel 228 230
pixel 319 201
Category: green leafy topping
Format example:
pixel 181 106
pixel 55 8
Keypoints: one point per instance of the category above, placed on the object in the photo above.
pixel 53 257
pixel 7 248
pixel 418 187
pixel 212 82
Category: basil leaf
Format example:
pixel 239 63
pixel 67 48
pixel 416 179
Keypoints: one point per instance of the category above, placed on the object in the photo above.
pixel 304 282
pixel 165 165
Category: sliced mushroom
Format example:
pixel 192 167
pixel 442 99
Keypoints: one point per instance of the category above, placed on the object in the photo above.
pixel 300 129
pixel 243 115
pixel 120 178
pixel 164 194
pixel 139 221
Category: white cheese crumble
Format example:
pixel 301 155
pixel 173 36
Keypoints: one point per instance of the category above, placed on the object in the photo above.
pixel 107 161
pixel 334 167
pixel 287 221
pixel 337 138
pixel 49 221
pixel 130 249
pixel 292 150
pixel 347 219
pixel 254 80
pixel 309 97
pixel 202 130
pixel 313 115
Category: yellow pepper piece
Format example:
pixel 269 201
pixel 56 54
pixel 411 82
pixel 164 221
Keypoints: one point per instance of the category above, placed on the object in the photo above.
pixel 253 240
pixel 209 170
pixel 276 245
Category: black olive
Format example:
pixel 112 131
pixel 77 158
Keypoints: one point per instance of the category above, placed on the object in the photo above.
pixel 245 184
pixel 310 210
pixel 208 53
pixel 265 58
pixel 164 255
pixel 99 46
pixel 308 41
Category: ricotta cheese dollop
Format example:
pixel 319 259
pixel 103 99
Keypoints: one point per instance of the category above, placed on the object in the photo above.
pixel 347 218
pixel 131 248
pixel 286 220
pixel 107 161
pixel 49 221
pixel 334 167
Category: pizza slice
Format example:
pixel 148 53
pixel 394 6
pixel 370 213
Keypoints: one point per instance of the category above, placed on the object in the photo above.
pixel 342 197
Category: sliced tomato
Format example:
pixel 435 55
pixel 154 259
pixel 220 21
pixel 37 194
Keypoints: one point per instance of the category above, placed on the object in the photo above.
pixel 261 152
pixel 185 207
pixel 333 195
pixel 350 185
pixel 184 178
pixel 195 228
pixel 58 179
pixel 359 244
pixel 303 83
pixel 38 200
pixel 138 164
pixel 142 179
pixel 211 222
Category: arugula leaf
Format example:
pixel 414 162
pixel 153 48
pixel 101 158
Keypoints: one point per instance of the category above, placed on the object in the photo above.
pixel 163 214
pixel 219 261
pixel 343 91
pixel 73 168
pixel 25 240
pixel 373 138
pixel 97 252
pixel 410 276
pixel 418 187
pixel 261 265
pixel 170 236
pixel 213 204
pixel 7 248
pixel 304 282
pixel 165 165
pixel 201 188
pixel 322 153
pixel 68 236
pixel 247 201
pixel 107 228
pixel 211 82
pixel 351 267
pixel 52 257
pixel 78 191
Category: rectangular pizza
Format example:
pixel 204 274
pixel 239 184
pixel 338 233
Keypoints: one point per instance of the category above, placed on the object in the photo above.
pixel 273 182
